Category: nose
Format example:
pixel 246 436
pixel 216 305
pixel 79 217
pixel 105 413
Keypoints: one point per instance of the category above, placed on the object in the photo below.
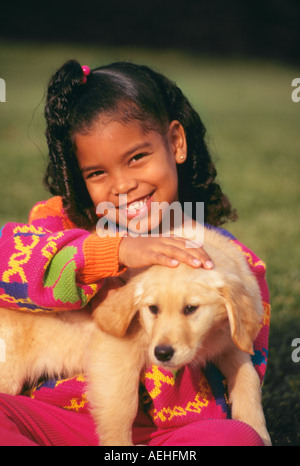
pixel 163 352
pixel 123 183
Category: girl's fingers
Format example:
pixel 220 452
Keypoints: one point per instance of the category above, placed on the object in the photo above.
pixel 202 257
pixel 169 251
pixel 162 259
pixel 188 252
pixel 195 257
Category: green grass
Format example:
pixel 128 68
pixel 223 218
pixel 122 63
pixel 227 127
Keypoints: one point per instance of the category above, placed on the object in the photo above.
pixel 253 133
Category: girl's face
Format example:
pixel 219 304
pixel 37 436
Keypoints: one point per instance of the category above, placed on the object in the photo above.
pixel 127 169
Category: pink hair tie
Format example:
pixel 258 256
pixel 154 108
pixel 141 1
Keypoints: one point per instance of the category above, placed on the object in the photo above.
pixel 86 71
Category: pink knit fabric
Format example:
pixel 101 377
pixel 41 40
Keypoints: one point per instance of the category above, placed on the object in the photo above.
pixel 24 422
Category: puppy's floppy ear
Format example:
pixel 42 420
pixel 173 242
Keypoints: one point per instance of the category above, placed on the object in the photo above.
pixel 244 314
pixel 115 313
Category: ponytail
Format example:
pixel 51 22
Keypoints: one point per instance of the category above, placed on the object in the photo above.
pixel 63 176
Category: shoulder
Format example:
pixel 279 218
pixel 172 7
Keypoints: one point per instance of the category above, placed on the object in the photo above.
pixel 41 209
pixel 220 230
pixel 50 210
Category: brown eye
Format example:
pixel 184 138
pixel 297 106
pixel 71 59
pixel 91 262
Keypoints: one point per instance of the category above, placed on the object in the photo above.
pixel 153 309
pixel 189 309
pixel 138 157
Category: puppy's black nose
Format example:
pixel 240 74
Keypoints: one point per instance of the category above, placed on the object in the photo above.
pixel 163 353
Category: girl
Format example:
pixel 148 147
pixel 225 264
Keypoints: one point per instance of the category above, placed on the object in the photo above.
pixel 126 136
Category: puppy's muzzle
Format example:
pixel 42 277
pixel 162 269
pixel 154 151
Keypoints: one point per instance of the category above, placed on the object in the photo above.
pixel 164 353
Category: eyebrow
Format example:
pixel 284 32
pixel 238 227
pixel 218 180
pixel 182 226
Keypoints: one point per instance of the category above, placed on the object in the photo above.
pixel 143 145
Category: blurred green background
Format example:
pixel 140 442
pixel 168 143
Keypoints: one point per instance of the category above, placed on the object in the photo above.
pixel 253 133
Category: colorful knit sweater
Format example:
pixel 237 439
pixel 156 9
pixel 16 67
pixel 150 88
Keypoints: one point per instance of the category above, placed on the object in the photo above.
pixel 50 264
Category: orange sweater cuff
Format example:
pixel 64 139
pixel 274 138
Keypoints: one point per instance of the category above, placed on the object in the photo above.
pixel 101 257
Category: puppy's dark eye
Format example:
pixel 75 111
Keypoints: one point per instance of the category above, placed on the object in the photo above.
pixel 153 309
pixel 189 309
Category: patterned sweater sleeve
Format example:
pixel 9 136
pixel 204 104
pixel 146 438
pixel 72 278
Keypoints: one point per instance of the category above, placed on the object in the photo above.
pixel 50 264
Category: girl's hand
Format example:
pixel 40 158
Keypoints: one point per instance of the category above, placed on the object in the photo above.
pixel 169 251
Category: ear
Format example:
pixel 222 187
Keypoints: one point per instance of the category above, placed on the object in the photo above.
pixel 243 314
pixel 115 313
pixel 178 141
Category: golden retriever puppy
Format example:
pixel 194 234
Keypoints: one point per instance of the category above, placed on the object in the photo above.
pixel 172 317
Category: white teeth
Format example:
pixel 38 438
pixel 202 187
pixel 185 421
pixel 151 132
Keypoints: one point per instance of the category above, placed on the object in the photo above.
pixel 137 204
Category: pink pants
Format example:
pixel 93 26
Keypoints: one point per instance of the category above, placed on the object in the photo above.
pixel 27 422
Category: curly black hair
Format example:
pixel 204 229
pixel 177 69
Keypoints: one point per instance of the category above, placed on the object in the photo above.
pixel 128 92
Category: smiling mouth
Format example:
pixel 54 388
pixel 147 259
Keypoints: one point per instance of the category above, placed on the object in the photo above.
pixel 137 207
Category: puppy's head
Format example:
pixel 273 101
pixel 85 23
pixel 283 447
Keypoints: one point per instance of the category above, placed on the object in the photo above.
pixel 186 313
